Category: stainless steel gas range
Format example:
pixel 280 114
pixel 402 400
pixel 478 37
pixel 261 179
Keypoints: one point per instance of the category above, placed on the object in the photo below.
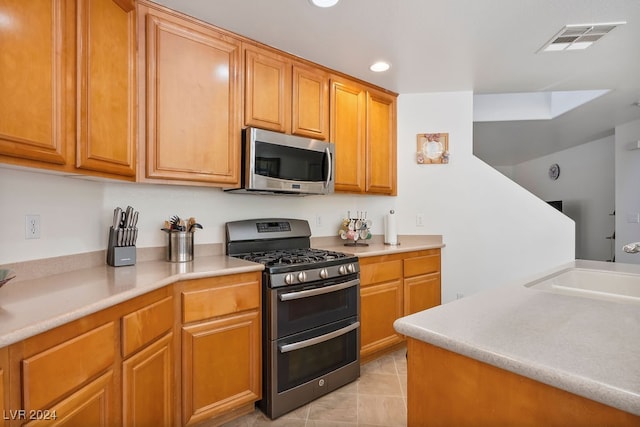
pixel 311 311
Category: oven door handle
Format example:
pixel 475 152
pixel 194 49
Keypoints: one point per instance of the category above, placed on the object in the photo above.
pixel 318 291
pixel 317 340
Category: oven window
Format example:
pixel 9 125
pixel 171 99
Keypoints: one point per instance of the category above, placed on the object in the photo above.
pixel 300 366
pixel 297 315
pixel 289 163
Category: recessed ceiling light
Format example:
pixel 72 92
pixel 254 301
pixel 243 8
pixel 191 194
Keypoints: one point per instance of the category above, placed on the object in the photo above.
pixel 577 37
pixel 324 3
pixel 380 66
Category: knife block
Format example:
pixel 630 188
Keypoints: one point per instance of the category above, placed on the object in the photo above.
pixel 119 256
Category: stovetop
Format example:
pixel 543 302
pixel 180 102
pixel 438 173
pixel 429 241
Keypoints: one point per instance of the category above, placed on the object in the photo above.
pixel 283 246
pixel 293 256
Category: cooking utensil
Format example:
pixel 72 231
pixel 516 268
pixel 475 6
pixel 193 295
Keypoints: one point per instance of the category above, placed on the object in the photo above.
pixel 117 217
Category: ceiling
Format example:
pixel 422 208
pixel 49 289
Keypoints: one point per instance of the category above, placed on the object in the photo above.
pixel 484 46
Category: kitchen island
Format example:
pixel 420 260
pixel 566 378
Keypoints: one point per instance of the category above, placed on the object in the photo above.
pixel 520 354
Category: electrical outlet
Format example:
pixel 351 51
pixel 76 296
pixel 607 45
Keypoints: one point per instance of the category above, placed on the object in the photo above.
pixel 318 221
pixel 459 295
pixel 32 227
pixel 420 220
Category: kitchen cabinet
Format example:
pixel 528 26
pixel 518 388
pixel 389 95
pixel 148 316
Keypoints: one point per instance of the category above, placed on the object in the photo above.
pixel 221 346
pixel 4 385
pixel 147 371
pixel 38 57
pixel 73 381
pixel 285 95
pixel 190 99
pixel 393 286
pixel 422 288
pixel 113 367
pixel 446 388
pixel 363 127
pixel 106 87
pixel 381 303
pixel 67 77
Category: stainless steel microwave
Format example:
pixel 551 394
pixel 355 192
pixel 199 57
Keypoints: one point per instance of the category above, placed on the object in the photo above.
pixel 276 163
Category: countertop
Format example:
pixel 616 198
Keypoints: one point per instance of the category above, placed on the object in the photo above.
pixel 585 346
pixel 35 305
pixel 376 246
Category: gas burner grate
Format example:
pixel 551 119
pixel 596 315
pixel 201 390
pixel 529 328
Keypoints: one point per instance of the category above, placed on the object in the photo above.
pixel 292 256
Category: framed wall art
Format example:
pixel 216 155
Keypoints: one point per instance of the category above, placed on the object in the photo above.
pixel 432 148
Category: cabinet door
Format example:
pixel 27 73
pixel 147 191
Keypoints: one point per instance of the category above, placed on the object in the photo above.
pixel 421 293
pixel 147 385
pixel 193 128
pixel 348 104
pixel 37 56
pixel 106 88
pixel 92 405
pixel 267 90
pixel 220 366
pixel 4 385
pixel 310 104
pixel 380 306
pixel 381 143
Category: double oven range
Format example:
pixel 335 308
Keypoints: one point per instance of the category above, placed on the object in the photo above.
pixel 311 311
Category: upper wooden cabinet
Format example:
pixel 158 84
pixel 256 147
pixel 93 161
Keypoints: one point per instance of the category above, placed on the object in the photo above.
pixel 67 76
pixel 363 127
pixel 192 99
pixel 285 95
pixel 106 87
pixel 36 63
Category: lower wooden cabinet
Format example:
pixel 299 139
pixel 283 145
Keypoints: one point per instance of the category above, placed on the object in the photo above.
pixel 380 306
pixel 91 405
pixel 393 286
pixel 220 366
pixel 4 384
pixel 179 355
pixel 221 346
pixel 147 385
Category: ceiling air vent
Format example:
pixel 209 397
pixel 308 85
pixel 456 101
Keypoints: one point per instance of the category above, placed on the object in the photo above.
pixel 579 36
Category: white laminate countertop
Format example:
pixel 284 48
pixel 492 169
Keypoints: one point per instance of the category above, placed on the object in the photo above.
pixel 586 346
pixel 375 246
pixel 30 307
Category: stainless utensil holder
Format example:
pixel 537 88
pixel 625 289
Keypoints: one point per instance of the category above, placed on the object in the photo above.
pixel 119 256
pixel 179 246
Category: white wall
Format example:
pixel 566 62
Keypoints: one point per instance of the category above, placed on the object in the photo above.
pixel 495 231
pixel 627 189
pixel 586 187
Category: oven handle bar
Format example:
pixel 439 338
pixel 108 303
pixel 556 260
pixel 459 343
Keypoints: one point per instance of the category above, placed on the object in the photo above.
pixel 317 340
pixel 318 291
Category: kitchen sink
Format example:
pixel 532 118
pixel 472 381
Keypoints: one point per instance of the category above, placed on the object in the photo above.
pixel 598 284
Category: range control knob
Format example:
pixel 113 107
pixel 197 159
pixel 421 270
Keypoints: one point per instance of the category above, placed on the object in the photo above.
pixel 342 270
pixel 289 279
pixel 351 268
pixel 302 277
pixel 324 273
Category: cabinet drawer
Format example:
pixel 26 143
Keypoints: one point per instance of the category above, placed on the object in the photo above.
pixel 219 301
pixel 380 272
pixel 53 373
pixel 421 265
pixel 143 326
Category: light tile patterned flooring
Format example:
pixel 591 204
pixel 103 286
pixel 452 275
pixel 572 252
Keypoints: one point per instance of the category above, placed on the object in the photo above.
pixel 377 398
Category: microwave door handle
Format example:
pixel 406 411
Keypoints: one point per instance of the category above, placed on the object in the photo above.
pixel 329 171
pixel 317 340
pixel 318 291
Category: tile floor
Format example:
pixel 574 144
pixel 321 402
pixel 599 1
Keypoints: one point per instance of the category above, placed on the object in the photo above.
pixel 377 398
